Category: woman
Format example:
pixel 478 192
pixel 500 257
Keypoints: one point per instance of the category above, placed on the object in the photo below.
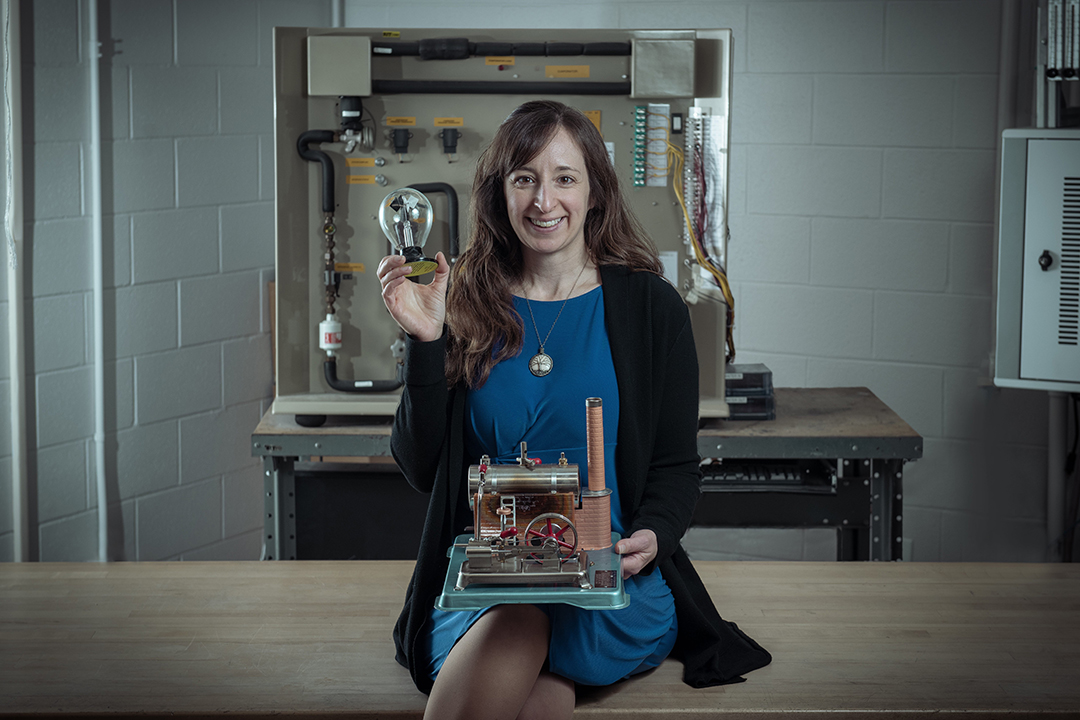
pixel 556 262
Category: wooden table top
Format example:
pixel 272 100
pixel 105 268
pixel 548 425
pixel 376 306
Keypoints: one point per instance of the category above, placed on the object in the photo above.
pixel 820 412
pixel 848 422
pixel 313 638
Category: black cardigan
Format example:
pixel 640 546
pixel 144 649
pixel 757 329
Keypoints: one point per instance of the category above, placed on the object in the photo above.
pixel 657 466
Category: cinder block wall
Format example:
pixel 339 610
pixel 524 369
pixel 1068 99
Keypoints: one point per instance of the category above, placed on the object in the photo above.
pixel 187 96
pixel 861 254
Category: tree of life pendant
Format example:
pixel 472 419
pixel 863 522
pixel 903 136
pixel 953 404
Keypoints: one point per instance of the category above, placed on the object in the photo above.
pixel 540 364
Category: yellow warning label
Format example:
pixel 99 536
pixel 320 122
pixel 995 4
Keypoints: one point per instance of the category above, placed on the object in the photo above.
pixel 566 71
pixel 360 162
pixel 349 267
pixel 499 60
pixel 594 115
pixel 401 121
pixel 391 34
pixel 360 179
pixel 422 267
pixel 449 122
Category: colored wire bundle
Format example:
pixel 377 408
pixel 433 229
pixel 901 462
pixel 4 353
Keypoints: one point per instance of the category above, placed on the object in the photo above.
pixel 675 166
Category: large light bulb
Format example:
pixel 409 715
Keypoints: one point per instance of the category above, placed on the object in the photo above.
pixel 405 217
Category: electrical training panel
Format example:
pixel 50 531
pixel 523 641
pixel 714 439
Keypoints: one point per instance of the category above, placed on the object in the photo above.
pixel 363 112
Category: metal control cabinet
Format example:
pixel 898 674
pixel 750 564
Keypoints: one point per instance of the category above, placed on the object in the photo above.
pixel 1038 273
pixel 672 85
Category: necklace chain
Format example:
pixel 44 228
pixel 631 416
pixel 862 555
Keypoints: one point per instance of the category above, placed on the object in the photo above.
pixel 543 342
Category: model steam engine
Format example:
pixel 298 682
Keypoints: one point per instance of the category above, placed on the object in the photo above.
pixel 534 525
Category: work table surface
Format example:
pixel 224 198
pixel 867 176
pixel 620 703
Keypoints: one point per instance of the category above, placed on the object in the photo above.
pixel 844 422
pixel 313 638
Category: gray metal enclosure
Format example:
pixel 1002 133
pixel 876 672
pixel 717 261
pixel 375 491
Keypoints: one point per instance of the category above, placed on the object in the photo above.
pixel 668 86
pixel 1038 272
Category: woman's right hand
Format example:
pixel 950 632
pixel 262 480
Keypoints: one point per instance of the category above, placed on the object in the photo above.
pixel 419 310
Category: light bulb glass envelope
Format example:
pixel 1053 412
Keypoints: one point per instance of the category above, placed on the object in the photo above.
pixel 405 217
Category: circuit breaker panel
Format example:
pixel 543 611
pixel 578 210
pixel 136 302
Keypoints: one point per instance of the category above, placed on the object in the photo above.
pixel 1038 313
pixel 360 113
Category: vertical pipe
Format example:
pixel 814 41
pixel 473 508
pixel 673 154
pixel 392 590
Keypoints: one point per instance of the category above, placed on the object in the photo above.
pixel 99 314
pixel 337 13
pixel 13 217
pixel 1055 476
pixel 1008 81
pixel 1041 82
pixel 1008 67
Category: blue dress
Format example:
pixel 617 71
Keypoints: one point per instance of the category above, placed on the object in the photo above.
pixel 590 647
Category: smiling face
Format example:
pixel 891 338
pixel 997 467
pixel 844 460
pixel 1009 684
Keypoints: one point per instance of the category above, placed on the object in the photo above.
pixel 547 200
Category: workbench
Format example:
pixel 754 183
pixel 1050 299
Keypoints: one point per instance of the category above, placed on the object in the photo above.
pixel 875 641
pixel 833 457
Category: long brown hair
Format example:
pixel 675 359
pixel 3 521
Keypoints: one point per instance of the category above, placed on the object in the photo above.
pixel 484 327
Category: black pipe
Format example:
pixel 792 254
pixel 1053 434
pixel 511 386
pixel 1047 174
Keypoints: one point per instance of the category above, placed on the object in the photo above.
pixel 607 48
pixel 360 386
pixel 461 48
pixel 496 49
pixel 530 49
pixel 451 212
pixel 564 48
pixel 445 49
pixel 479 87
pixel 313 155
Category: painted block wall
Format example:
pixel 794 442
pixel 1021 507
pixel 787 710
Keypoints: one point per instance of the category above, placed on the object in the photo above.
pixel 861 216
pixel 187 100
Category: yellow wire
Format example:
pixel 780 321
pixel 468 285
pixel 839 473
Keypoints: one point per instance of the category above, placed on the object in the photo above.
pixel 675 162
pixel 721 278
pixel 674 165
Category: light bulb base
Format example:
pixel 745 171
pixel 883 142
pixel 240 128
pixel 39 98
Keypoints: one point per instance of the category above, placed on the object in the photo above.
pixel 414 257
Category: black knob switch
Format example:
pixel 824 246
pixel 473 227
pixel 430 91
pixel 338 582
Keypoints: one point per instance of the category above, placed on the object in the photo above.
pixel 1046 260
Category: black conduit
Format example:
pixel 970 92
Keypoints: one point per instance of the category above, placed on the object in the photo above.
pixel 312 155
pixel 607 48
pixel 360 386
pixel 461 48
pixel 451 212
pixel 479 87
pixel 330 365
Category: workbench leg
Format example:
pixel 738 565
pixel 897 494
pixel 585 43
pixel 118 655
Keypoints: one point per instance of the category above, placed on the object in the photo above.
pixel 279 508
pixel 852 544
pixel 888 503
pixel 855 543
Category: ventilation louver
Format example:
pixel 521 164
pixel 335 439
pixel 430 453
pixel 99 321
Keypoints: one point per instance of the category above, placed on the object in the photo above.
pixel 1069 298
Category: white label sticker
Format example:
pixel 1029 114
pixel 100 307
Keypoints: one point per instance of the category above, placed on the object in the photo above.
pixel 669 260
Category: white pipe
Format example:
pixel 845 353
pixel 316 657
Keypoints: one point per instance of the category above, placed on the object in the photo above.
pixel 13 216
pixel 99 314
pixel 1055 476
pixel 337 13
pixel 1008 69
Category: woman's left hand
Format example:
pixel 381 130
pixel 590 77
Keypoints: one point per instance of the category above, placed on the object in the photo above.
pixel 638 550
